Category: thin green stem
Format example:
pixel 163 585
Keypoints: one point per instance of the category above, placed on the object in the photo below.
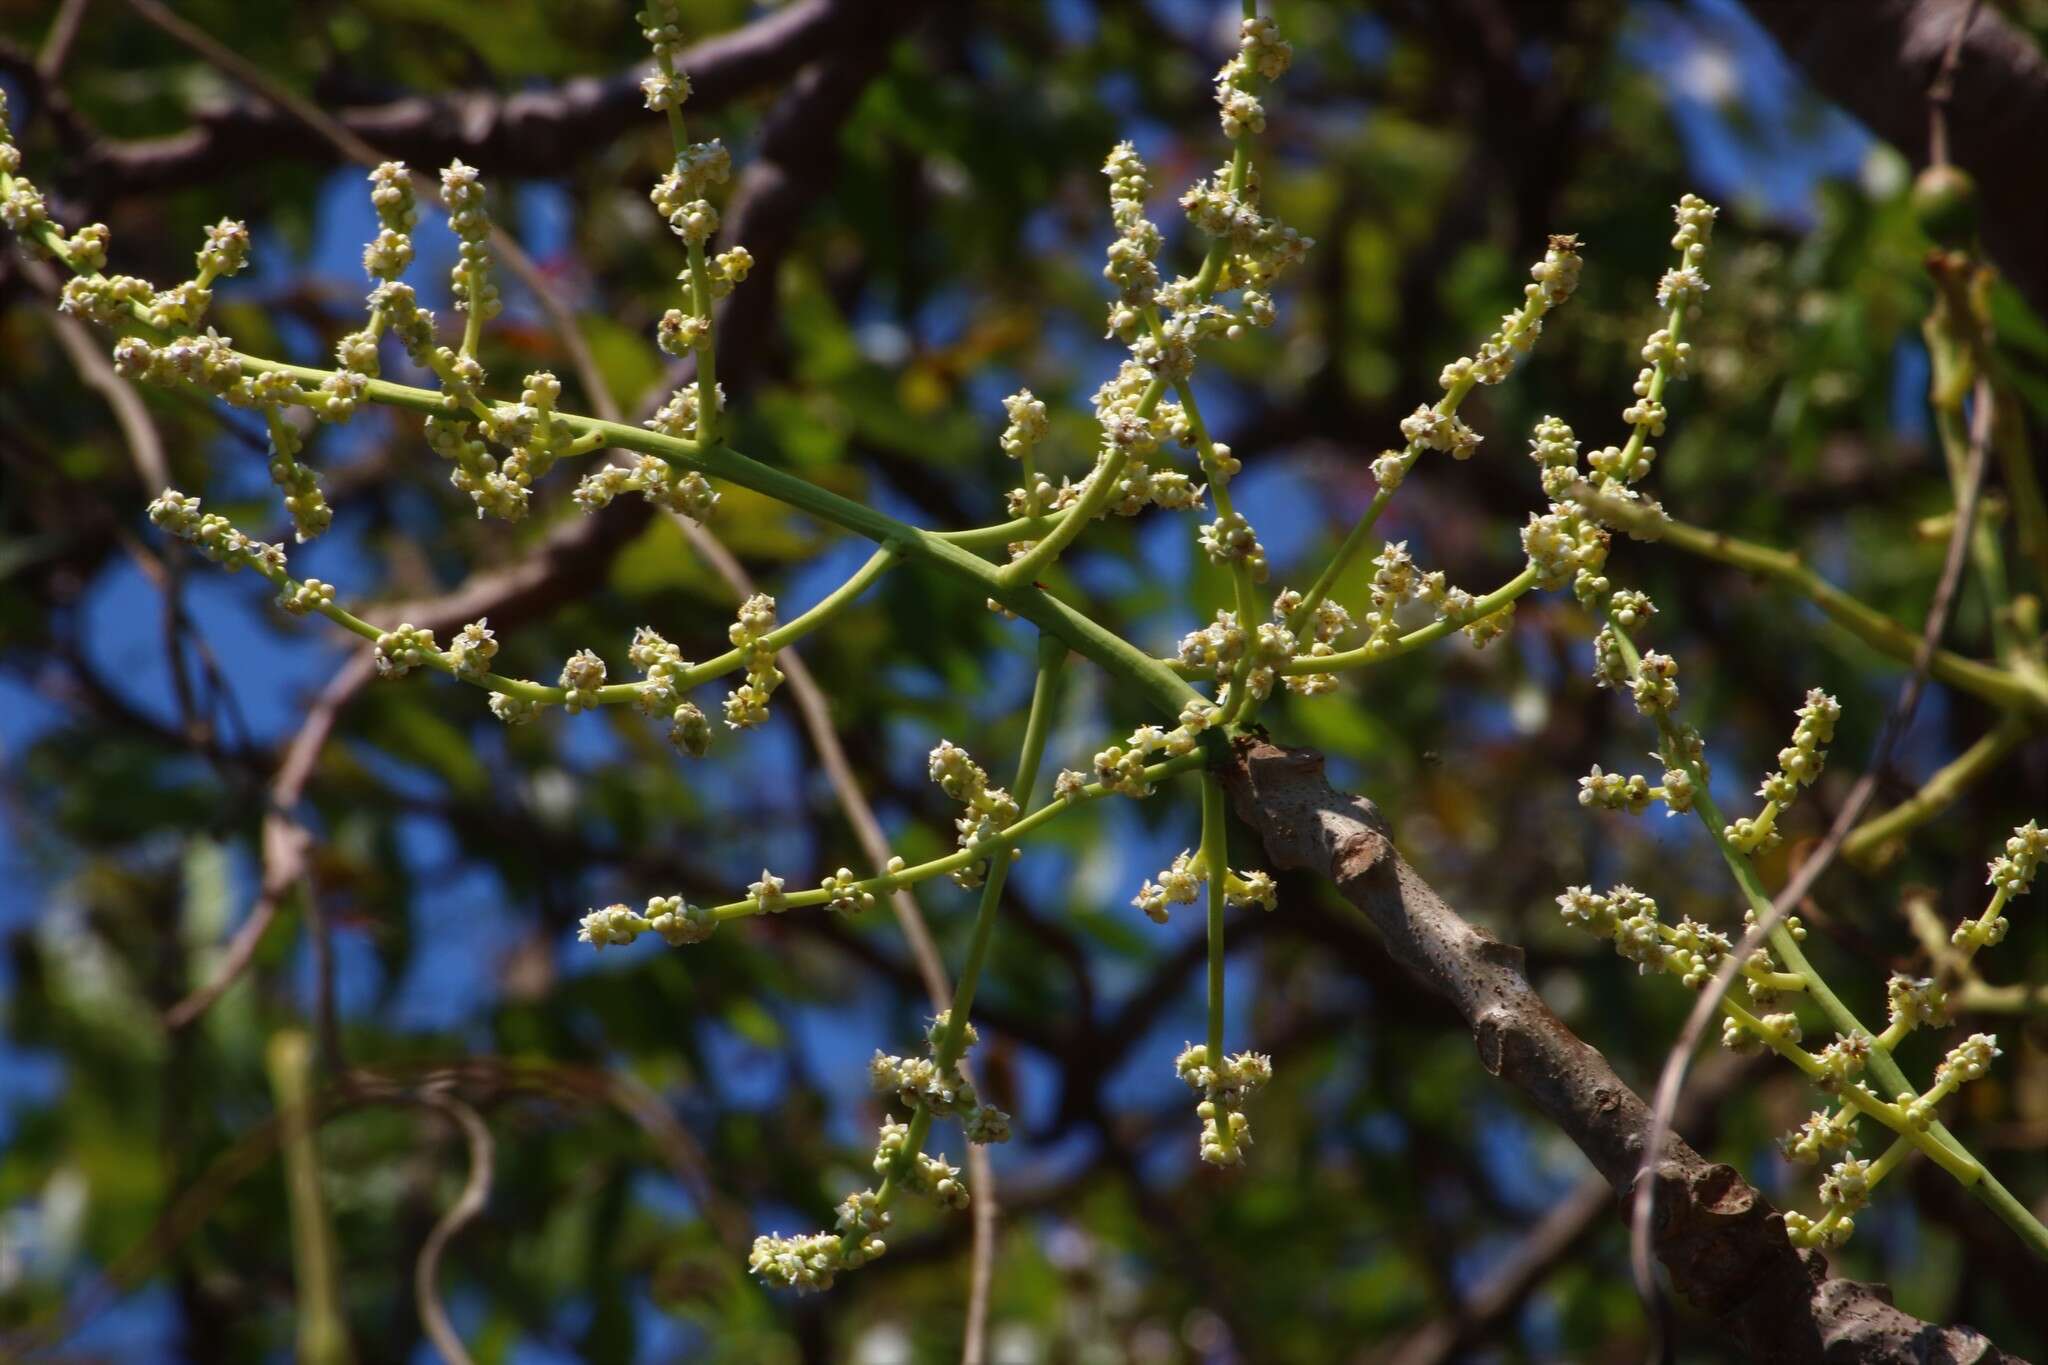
pixel 322 1330
pixel 2002 687
pixel 1008 836
pixel 1874 841
pixel 1052 654
pixel 1216 852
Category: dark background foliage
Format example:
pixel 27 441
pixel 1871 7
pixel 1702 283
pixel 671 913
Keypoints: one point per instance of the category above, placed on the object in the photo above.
pixel 932 241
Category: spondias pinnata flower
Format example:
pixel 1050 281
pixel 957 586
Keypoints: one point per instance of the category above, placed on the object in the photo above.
pixel 582 676
pixel 303 598
pixel 668 917
pixel 1132 264
pixel 747 704
pixel 473 648
pixel 1226 1131
pixel 463 192
pixel 1799 765
pixel 990 809
pixel 1230 539
pixel 2010 874
pixel 810 1262
pixel 675 490
pixel 941 1089
pixel 391 195
pixel 1219 649
pixel 1325 629
pixel 2013 871
pixel 215 536
pixel 1182 883
pixel 303 499
pixel 847 897
pixel 402 650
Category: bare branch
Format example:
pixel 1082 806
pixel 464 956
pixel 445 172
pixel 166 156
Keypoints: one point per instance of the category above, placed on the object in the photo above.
pixel 497 133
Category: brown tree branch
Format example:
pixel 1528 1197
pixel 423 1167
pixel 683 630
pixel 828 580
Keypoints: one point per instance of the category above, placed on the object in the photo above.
pixel 1876 58
pixel 1721 1241
pixel 497 133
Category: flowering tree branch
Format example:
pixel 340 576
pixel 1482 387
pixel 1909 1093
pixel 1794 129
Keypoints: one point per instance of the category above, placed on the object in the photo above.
pixel 1720 1239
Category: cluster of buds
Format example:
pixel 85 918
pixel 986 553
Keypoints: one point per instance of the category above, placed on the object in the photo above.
pixel 1552 281
pixel 1028 425
pixel 1633 792
pixel 476 470
pixel 405 648
pixel 683 491
pixel 1132 265
pixel 934 1083
pixel 1262 54
pixel 747 705
pixel 1566 547
pixel 1221 648
pixel 463 192
pixel 303 498
pixel 665 672
pixel 391 195
pixel 1322 632
pixel 214 535
pixel 2013 871
pixel 675 922
pixel 1799 765
pixel 1182 883
pixel 533 439
pixel 990 809
pixel 1687 950
pixel 207 360
pixel 941 1088
pixel 1226 1131
pixel 582 676
pixel 1230 539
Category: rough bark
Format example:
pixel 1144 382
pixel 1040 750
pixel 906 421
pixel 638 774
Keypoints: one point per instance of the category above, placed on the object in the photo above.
pixel 1876 58
pixel 1719 1238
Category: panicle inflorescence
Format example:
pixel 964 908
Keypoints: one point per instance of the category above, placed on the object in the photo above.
pixel 747 704
pixel 990 809
pixel 1226 1130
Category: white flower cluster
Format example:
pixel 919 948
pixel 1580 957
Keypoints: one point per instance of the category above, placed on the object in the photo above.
pixel 1220 647
pixel 669 917
pixel 473 649
pixel 1226 1131
pixel 1799 765
pixel 810 1262
pixel 1261 54
pixel 405 648
pixel 391 195
pixel 2013 871
pixel 747 705
pixel 943 1090
pixel 304 500
pixel 990 809
pixel 660 695
pixel 1182 883
pixel 1325 628
pixel 1132 265
pixel 463 192
pixel 675 490
pixel 215 536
